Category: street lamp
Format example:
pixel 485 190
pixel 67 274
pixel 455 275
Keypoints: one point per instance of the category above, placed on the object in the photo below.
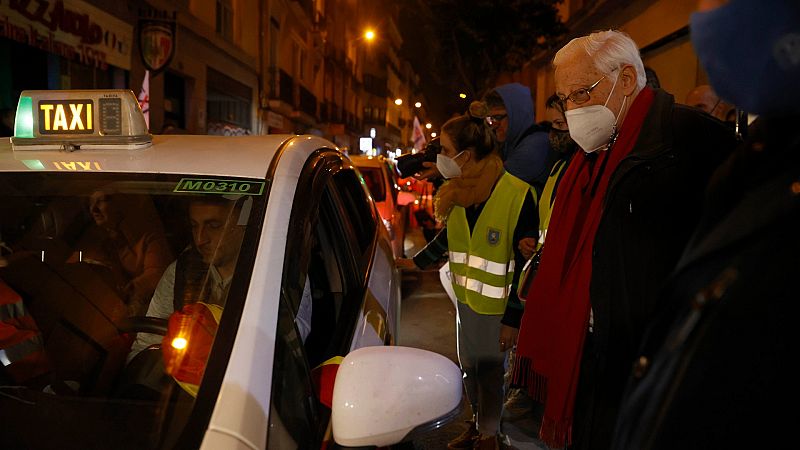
pixel 418 105
pixel 462 95
pixel 428 125
pixel 398 101
pixel 433 135
pixel 369 35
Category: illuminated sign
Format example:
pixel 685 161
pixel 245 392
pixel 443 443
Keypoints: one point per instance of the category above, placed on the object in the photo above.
pixel 77 166
pixel 212 186
pixel 66 117
pixel 81 119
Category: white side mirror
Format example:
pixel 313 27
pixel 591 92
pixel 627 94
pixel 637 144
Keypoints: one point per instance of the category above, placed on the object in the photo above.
pixel 381 394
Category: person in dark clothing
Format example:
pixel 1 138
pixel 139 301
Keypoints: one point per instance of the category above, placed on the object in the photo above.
pixel 716 369
pixel 524 144
pixel 625 208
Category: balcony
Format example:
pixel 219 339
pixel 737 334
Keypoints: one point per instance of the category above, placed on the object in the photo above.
pixel 308 102
pixel 285 87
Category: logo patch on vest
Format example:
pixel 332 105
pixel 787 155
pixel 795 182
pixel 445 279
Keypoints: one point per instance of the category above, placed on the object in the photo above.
pixel 493 236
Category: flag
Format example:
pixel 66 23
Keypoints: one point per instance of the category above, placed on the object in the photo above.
pixel 144 98
pixel 419 135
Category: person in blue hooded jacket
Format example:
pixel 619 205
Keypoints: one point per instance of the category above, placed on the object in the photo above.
pixel 524 145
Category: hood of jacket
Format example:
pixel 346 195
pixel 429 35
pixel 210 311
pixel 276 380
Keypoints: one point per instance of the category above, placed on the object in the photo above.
pixel 519 106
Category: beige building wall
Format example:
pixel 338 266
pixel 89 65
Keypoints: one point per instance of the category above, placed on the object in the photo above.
pixel 674 61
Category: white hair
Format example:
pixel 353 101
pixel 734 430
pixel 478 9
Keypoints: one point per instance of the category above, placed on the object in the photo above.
pixel 609 50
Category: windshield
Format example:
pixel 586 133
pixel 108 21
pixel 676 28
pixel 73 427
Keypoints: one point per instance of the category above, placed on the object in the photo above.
pixel 373 176
pixel 88 264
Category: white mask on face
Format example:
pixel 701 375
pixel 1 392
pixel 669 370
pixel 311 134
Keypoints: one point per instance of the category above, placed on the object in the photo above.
pixel 593 127
pixel 448 166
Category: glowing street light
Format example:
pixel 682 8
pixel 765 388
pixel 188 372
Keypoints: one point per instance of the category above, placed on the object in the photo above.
pixel 418 105
pixel 433 135
pixel 369 35
pixel 428 125
pixel 462 95
pixel 398 101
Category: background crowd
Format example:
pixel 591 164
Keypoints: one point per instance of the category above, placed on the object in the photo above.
pixel 657 314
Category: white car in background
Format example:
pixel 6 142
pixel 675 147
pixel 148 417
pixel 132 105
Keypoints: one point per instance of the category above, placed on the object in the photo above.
pixel 308 217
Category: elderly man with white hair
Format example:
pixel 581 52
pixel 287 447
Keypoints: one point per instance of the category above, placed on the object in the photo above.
pixel 625 209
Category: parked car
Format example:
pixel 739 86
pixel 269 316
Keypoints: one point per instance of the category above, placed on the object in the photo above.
pixel 252 371
pixel 392 202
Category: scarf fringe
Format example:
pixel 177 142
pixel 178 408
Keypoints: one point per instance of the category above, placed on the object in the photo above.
pixel 556 434
pixel 524 377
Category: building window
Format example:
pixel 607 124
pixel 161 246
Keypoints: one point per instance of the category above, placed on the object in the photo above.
pixel 229 104
pixel 225 19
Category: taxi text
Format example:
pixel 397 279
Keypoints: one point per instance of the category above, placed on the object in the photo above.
pixel 66 116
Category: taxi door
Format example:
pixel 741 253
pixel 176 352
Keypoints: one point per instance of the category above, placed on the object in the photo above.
pixel 339 263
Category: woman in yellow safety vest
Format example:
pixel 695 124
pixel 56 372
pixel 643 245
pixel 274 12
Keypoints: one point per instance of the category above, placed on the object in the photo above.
pixel 487 211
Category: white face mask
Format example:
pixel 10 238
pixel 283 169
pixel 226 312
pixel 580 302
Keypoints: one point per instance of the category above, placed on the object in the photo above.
pixel 448 166
pixel 593 127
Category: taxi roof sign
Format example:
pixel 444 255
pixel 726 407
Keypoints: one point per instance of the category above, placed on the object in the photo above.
pixel 79 119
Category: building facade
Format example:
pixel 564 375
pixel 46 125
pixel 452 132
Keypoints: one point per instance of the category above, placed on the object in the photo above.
pixel 226 67
pixel 659 27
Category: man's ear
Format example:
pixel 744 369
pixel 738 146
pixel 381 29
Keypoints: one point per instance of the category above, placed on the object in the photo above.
pixel 628 80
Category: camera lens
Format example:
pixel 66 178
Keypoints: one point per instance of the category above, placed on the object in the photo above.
pixel 410 164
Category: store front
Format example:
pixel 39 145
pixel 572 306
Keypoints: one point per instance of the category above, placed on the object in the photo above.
pixel 69 44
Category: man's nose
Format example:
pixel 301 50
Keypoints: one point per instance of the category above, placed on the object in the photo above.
pixel 200 235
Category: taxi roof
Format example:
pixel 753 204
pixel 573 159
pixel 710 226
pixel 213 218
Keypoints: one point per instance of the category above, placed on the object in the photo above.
pixel 367 161
pixel 236 156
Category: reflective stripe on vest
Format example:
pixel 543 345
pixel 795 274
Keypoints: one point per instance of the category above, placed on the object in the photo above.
pixel 21 350
pixel 481 288
pixel 482 259
pixel 21 344
pixel 486 265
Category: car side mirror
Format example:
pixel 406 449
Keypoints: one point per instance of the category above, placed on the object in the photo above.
pixel 384 395
pixel 405 198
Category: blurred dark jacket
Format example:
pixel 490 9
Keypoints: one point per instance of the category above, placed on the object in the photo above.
pixel 718 369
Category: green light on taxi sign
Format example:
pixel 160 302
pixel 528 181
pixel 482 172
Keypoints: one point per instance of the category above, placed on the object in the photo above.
pixel 33 164
pixel 23 124
pixel 213 186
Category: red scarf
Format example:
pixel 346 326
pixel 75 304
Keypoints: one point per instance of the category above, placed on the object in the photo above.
pixel 556 317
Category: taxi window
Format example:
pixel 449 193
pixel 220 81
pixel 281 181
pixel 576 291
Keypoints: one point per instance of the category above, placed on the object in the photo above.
pixel 357 210
pixel 373 176
pixel 321 295
pixel 88 264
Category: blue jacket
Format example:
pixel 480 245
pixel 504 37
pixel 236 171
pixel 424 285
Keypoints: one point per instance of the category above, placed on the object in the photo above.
pixel 524 152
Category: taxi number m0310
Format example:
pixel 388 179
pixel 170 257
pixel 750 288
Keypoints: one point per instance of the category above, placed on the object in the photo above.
pixel 208 186
pixel 66 116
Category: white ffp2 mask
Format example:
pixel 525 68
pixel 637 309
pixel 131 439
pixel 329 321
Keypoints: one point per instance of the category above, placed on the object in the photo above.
pixel 592 127
pixel 448 166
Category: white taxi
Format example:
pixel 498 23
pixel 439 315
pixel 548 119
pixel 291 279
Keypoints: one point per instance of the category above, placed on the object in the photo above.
pixel 257 263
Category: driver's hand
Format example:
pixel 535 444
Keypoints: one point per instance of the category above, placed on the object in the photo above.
pixel 430 171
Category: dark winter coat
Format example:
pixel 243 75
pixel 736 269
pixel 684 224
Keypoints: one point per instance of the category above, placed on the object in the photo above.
pixel 716 370
pixel 652 206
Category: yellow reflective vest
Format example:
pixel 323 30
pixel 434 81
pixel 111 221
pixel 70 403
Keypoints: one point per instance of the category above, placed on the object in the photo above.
pixel 482 263
pixel 546 201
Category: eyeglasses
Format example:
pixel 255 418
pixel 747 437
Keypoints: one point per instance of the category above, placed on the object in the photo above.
pixel 579 96
pixel 491 120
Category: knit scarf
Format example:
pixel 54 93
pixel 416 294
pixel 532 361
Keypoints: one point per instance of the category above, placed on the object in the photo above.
pixel 556 318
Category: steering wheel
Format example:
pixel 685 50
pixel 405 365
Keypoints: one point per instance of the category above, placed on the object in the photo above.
pixel 144 378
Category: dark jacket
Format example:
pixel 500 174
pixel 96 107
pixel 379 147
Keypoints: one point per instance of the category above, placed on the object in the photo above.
pixel 716 368
pixel 652 205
